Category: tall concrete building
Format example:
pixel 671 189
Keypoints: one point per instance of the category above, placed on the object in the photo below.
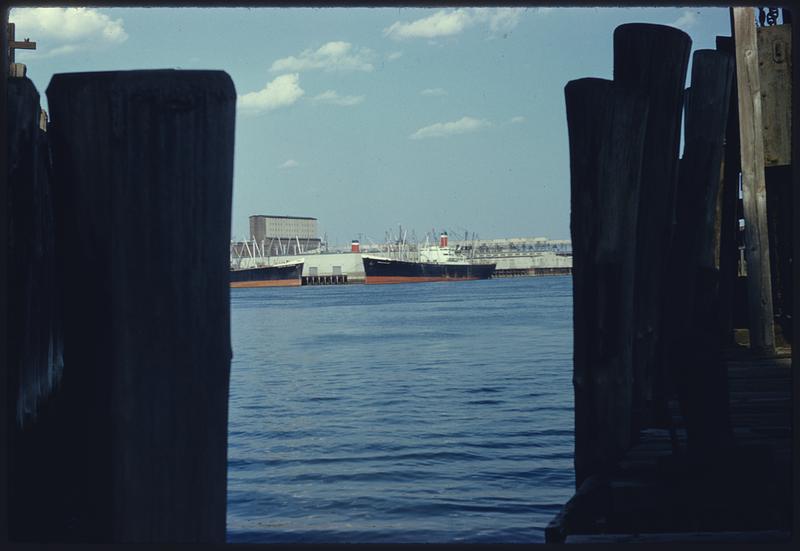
pixel 285 234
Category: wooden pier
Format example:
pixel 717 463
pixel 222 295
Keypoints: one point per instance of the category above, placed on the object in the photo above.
pixel 655 493
pixel 683 430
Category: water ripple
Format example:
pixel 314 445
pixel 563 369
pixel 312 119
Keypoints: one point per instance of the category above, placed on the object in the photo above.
pixel 400 413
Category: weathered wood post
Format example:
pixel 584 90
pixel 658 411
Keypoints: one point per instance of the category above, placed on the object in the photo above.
pixel 790 15
pixel 691 336
pixel 774 69
pixel 606 130
pixel 33 354
pixel 143 163
pixel 759 286
pixel 729 223
pixel 796 193
pixel 35 351
pixel 653 59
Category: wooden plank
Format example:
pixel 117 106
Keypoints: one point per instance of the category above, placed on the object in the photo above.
pixel 653 59
pixel 759 290
pixel 606 128
pixel 662 495
pixel 667 497
pixel 581 511
pixel 756 536
pixel 775 74
pixel 144 161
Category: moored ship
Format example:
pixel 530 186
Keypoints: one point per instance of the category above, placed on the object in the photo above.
pixel 277 275
pixel 435 264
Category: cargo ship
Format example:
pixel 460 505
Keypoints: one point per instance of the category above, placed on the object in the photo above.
pixel 435 264
pixel 289 274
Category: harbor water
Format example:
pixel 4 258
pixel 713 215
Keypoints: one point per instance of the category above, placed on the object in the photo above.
pixel 428 412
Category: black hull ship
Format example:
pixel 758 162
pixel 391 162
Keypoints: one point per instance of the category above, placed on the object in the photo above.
pixel 283 275
pixel 385 270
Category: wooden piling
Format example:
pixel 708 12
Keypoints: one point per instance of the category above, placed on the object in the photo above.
pixel 693 242
pixel 774 45
pixel 35 351
pixel 144 161
pixel 706 120
pixel 729 223
pixel 759 286
pixel 34 359
pixel 795 148
pixel 774 69
pixel 606 130
pixel 778 180
pixel 4 409
pixel 653 59
pixel 691 336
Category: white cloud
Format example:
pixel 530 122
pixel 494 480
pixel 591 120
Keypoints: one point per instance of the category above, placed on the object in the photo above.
pixel 290 163
pixel 441 23
pixel 518 119
pixel 280 92
pixel 433 92
pixel 60 31
pixel 333 56
pixel 333 98
pixel 394 55
pixel 686 20
pixel 442 129
pixel 450 23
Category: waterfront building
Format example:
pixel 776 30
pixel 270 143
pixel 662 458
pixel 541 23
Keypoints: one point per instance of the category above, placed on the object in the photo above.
pixel 284 235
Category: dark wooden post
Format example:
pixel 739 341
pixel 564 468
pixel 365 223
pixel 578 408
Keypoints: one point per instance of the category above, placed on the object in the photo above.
pixel 691 335
pixel 729 224
pixel 698 183
pixel 796 206
pixel 759 285
pixel 778 181
pixel 143 163
pixel 606 129
pixel 795 148
pixel 34 359
pixel 35 351
pixel 653 59
pixel 3 284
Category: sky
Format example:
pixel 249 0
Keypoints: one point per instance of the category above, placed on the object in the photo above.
pixel 371 118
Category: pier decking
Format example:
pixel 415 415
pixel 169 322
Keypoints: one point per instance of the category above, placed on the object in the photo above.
pixel 655 493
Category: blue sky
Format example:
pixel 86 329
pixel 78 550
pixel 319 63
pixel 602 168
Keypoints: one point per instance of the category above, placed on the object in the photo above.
pixel 367 118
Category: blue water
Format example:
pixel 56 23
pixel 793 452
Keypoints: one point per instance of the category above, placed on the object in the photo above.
pixel 428 412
